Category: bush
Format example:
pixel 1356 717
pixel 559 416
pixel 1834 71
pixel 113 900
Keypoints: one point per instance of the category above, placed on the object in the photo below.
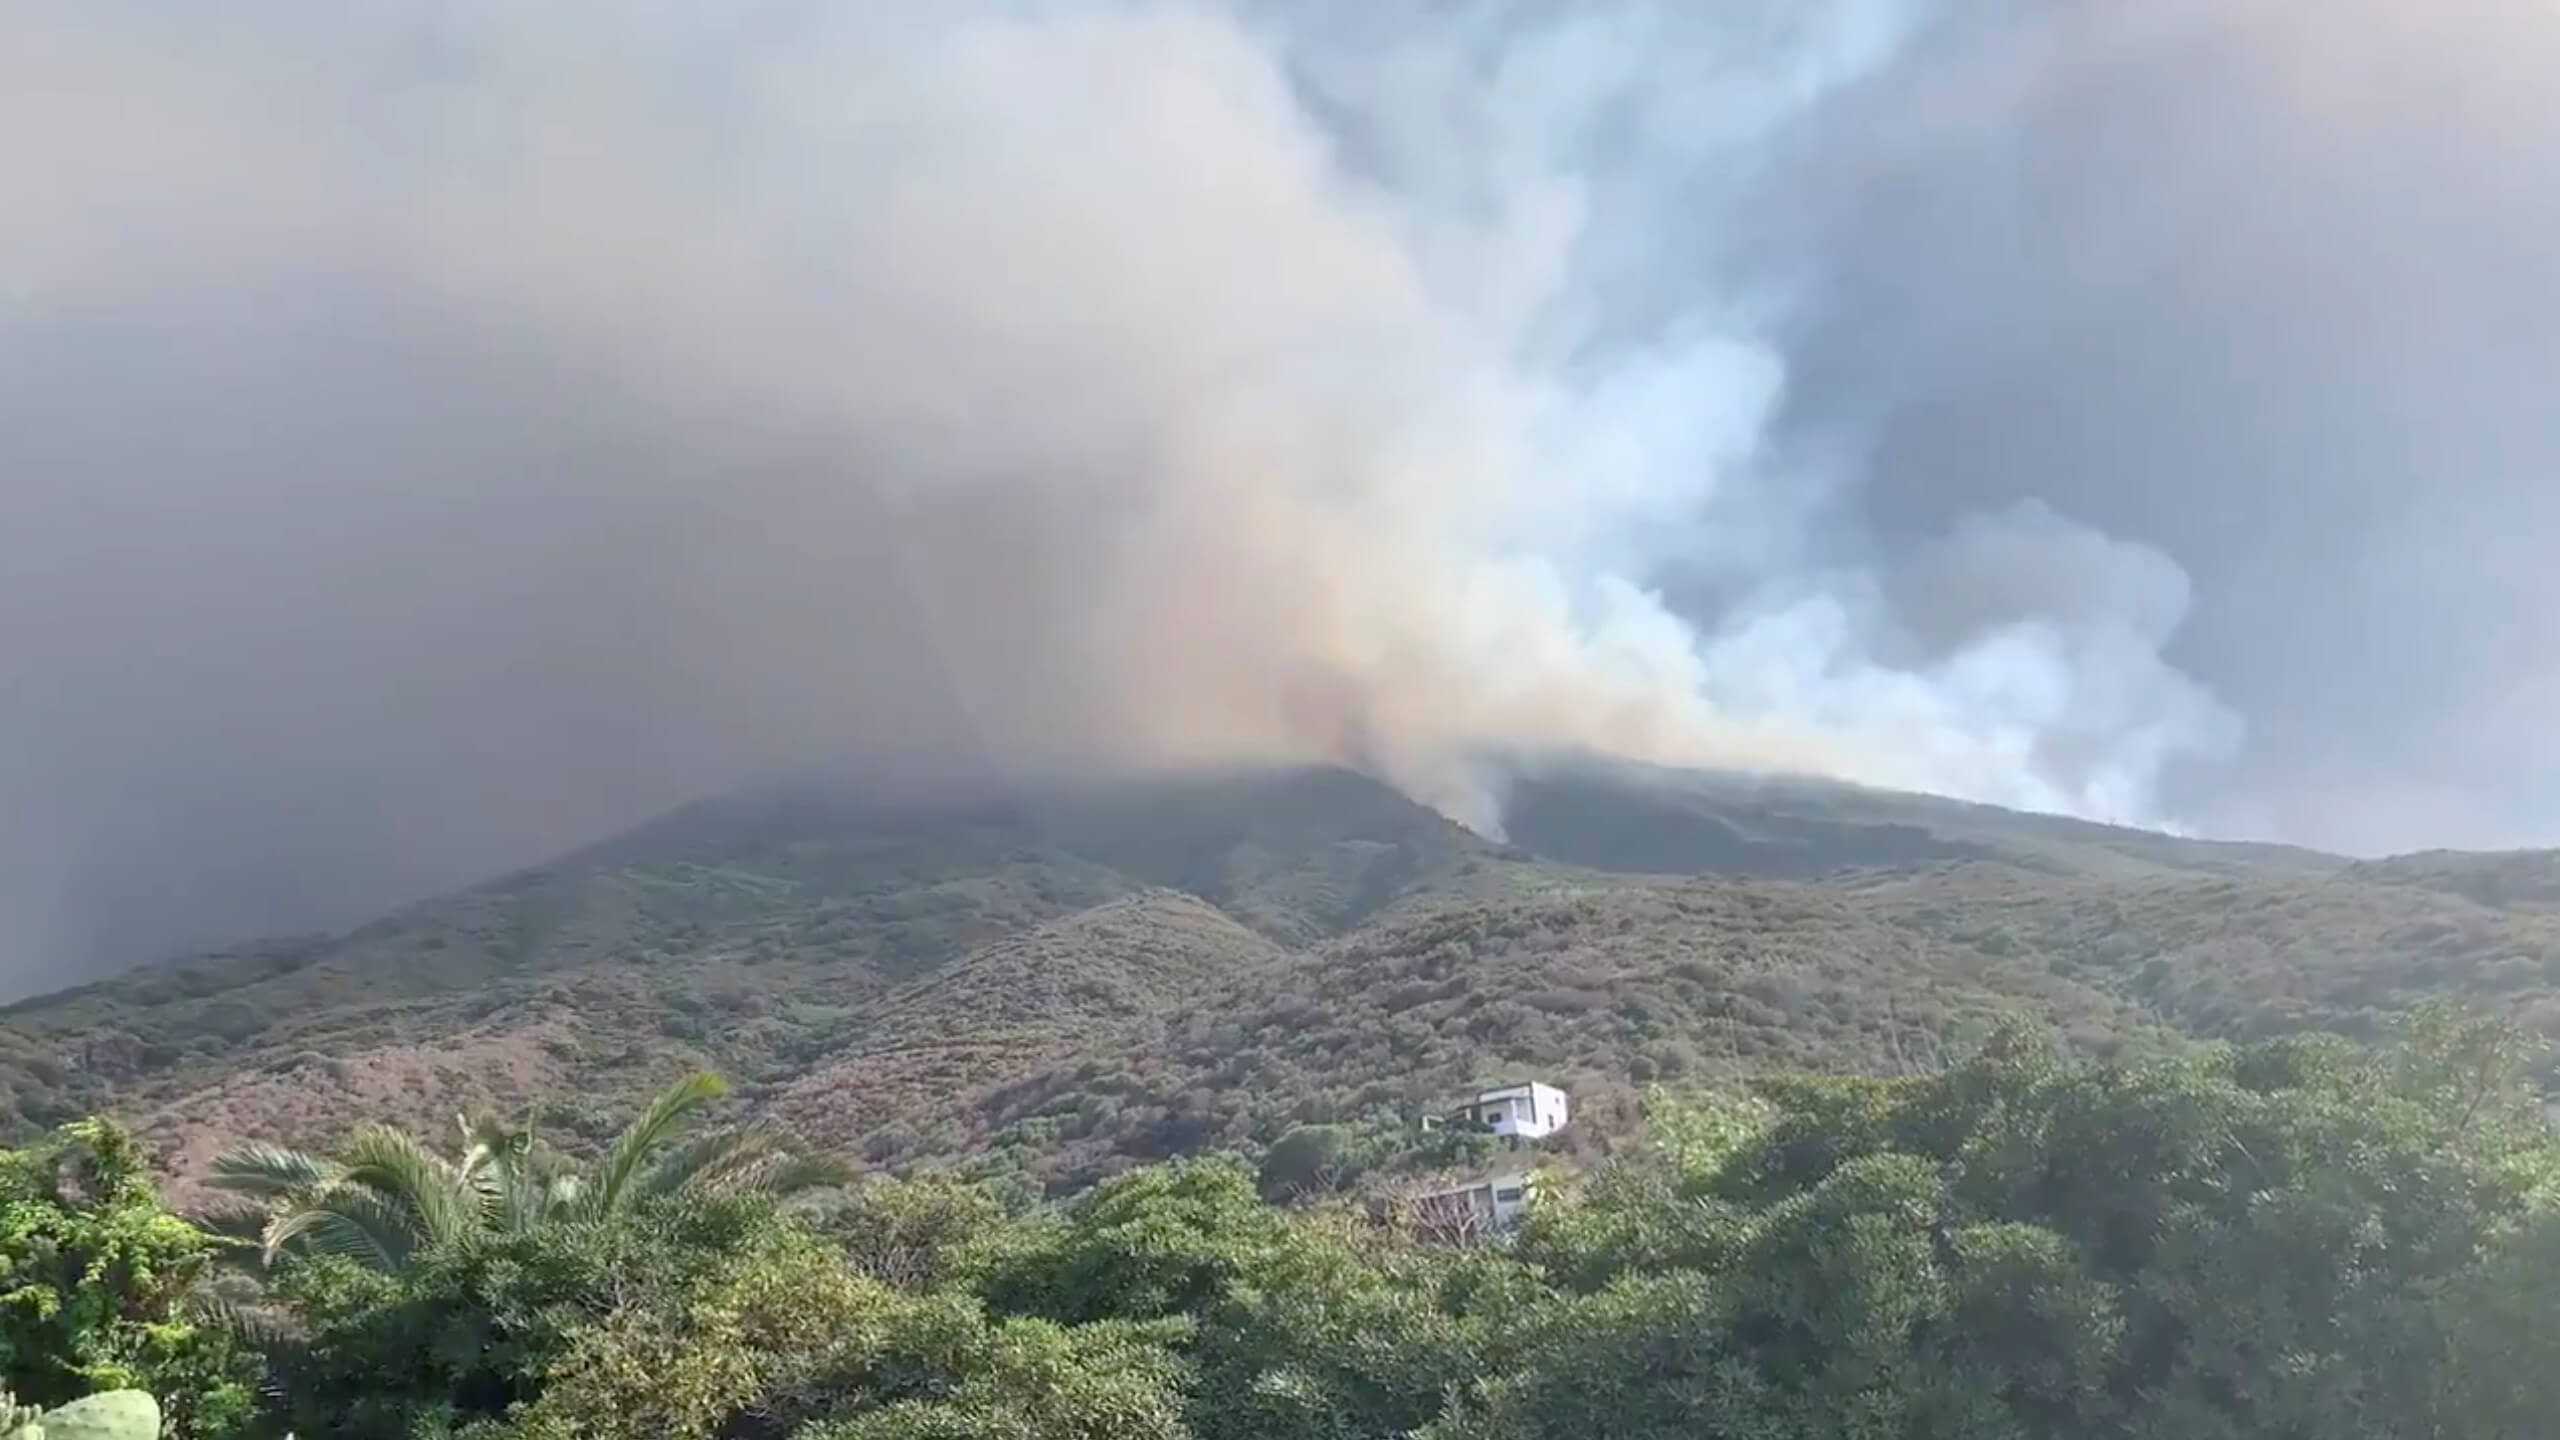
pixel 2303 1238
pixel 99 1286
pixel 1308 1161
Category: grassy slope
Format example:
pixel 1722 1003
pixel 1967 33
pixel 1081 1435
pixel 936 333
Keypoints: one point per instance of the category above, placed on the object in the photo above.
pixel 1068 984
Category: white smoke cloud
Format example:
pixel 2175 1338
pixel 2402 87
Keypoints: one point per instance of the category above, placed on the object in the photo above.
pixel 433 433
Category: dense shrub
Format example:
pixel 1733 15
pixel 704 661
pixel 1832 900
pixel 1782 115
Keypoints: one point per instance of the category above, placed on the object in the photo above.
pixel 101 1288
pixel 2307 1239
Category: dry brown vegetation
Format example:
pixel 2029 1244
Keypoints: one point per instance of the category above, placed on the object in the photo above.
pixel 1062 988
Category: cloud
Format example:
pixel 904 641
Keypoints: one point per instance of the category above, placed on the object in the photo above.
pixel 432 436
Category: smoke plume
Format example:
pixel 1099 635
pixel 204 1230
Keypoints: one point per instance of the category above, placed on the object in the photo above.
pixel 433 435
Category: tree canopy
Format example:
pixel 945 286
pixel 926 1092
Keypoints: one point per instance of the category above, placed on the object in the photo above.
pixel 2304 1239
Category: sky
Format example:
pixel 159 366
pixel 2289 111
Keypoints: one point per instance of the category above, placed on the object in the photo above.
pixel 434 436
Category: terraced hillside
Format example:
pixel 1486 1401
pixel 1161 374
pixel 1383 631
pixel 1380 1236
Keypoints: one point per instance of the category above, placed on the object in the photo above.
pixel 1064 983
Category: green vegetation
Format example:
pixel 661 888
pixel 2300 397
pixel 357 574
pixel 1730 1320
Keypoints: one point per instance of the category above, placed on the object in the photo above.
pixel 2306 1238
pixel 1892 1119
pixel 1050 991
pixel 107 1415
pixel 387 1199
pixel 103 1290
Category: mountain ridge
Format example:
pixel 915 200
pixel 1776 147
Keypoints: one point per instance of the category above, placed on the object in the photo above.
pixel 1059 984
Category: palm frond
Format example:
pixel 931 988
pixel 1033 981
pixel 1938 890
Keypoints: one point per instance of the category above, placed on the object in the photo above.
pixel 498 1173
pixel 746 1160
pixel 234 1229
pixel 415 1181
pixel 350 1222
pixel 251 1323
pixel 648 1135
pixel 801 1172
pixel 476 1137
pixel 540 1187
pixel 709 1161
pixel 269 1171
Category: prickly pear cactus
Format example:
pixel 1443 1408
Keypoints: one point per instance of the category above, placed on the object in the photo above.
pixel 19 1422
pixel 107 1415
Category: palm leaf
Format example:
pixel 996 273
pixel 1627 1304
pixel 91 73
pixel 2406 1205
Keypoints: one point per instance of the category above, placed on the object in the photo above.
pixel 799 1173
pixel 746 1160
pixel 413 1180
pixel 648 1135
pixel 269 1171
pixel 709 1162
pixel 562 1192
pixel 249 1322
pixel 498 1169
pixel 353 1223
pixel 539 1187
pixel 234 1227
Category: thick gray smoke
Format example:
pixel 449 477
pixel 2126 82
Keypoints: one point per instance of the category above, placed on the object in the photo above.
pixel 433 435
pixel 2271 288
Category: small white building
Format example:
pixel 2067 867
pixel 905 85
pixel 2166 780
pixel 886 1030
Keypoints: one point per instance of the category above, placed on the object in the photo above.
pixel 1496 1202
pixel 1523 1112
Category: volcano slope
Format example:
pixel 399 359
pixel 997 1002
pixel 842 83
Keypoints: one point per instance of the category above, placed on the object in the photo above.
pixel 1057 985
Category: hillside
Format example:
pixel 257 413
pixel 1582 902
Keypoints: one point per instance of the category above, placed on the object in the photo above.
pixel 1066 983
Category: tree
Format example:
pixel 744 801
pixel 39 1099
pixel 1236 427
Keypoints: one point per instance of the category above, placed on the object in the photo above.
pixel 383 1199
pixel 2301 1238
pixel 1170 1240
pixel 481 1331
pixel 913 1233
pixel 97 1282
pixel 708 1315
pixel 386 1197
pixel 1309 1160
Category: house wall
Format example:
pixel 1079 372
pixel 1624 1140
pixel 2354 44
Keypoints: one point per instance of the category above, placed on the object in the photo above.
pixel 1546 1106
pixel 1501 1202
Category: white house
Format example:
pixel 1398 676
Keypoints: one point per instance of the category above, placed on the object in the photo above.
pixel 1494 1203
pixel 1524 1112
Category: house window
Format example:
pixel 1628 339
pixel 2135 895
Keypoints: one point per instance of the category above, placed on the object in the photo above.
pixel 1507 1197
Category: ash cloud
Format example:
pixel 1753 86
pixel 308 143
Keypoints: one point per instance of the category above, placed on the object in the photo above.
pixel 433 436
pixel 2266 288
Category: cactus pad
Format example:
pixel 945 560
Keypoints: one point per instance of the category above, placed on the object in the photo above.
pixel 107 1415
